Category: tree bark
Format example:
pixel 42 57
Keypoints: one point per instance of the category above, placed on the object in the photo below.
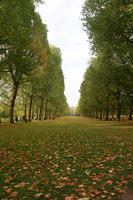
pixel 45 113
pixel 96 115
pixel 37 116
pixel 41 107
pixel 113 111
pixel 49 115
pixel 14 94
pixel 107 108
pixel 118 107
pixel 25 110
pixel 130 114
pixel 33 112
pixel 100 117
pixel 30 106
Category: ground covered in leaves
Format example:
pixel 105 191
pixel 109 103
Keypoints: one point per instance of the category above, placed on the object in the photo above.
pixel 69 158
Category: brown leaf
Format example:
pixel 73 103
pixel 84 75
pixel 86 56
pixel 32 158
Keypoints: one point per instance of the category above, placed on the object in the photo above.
pixel 109 182
pixel 130 176
pixel 81 186
pixel 69 198
pixel 124 182
pixel 36 196
pixel 95 179
pixel 30 189
pixel 13 194
pixel 102 186
pixel 20 185
pixel 97 192
pixel 47 196
pixel 8 190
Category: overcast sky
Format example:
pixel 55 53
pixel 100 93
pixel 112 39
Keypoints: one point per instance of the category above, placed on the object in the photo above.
pixel 65 31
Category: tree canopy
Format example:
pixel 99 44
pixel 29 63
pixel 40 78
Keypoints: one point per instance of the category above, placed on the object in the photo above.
pixel 107 85
pixel 29 67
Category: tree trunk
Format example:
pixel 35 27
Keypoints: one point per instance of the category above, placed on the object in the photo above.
pixel 45 114
pixel 53 117
pixel 100 117
pixel 107 108
pixel 96 115
pixel 25 110
pixel 41 107
pixel 107 115
pixel 130 114
pixel 30 106
pixel 33 112
pixel 113 111
pixel 49 115
pixel 37 116
pixel 14 94
pixel 118 108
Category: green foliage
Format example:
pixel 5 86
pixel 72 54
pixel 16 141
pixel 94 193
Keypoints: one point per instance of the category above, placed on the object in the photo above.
pixel 109 26
pixel 31 71
pixel 4 114
pixel 104 89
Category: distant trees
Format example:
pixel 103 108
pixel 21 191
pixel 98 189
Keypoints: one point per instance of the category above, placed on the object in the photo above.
pixel 24 60
pixel 108 82
pixel 105 92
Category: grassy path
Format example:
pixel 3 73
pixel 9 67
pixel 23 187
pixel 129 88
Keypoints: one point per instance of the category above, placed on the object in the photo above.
pixel 68 158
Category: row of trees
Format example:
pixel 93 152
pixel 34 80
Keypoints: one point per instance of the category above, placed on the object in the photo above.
pixel 107 88
pixel 32 81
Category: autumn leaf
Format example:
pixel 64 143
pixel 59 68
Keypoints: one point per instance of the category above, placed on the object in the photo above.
pixel 81 186
pixel 47 196
pixel 85 198
pixel 97 192
pixel 130 176
pixel 8 190
pixel 36 196
pixel 124 182
pixel 109 182
pixel 69 198
pixel 30 189
pixel 9 179
pixel 13 194
pixel 84 194
pixel 95 179
pixel 21 185
pixel 102 186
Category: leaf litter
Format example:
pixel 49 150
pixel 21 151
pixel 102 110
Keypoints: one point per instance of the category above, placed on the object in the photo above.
pixel 65 162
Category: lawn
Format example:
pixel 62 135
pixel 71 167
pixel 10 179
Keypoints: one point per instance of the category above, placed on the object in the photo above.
pixel 67 158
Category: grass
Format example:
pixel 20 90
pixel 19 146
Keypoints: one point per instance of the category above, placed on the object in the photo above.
pixel 68 158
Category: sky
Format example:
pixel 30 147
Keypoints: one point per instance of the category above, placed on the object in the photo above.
pixel 65 31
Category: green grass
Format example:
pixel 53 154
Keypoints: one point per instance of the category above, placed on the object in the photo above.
pixel 68 158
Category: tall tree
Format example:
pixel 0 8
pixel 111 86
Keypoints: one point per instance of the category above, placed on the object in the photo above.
pixel 109 26
pixel 16 37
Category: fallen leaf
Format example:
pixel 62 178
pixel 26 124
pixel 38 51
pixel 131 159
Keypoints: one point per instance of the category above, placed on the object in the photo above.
pixel 47 196
pixel 13 194
pixel 36 196
pixel 8 190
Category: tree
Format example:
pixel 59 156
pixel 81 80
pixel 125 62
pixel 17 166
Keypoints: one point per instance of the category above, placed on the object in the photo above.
pixel 16 35
pixel 103 90
pixel 109 26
